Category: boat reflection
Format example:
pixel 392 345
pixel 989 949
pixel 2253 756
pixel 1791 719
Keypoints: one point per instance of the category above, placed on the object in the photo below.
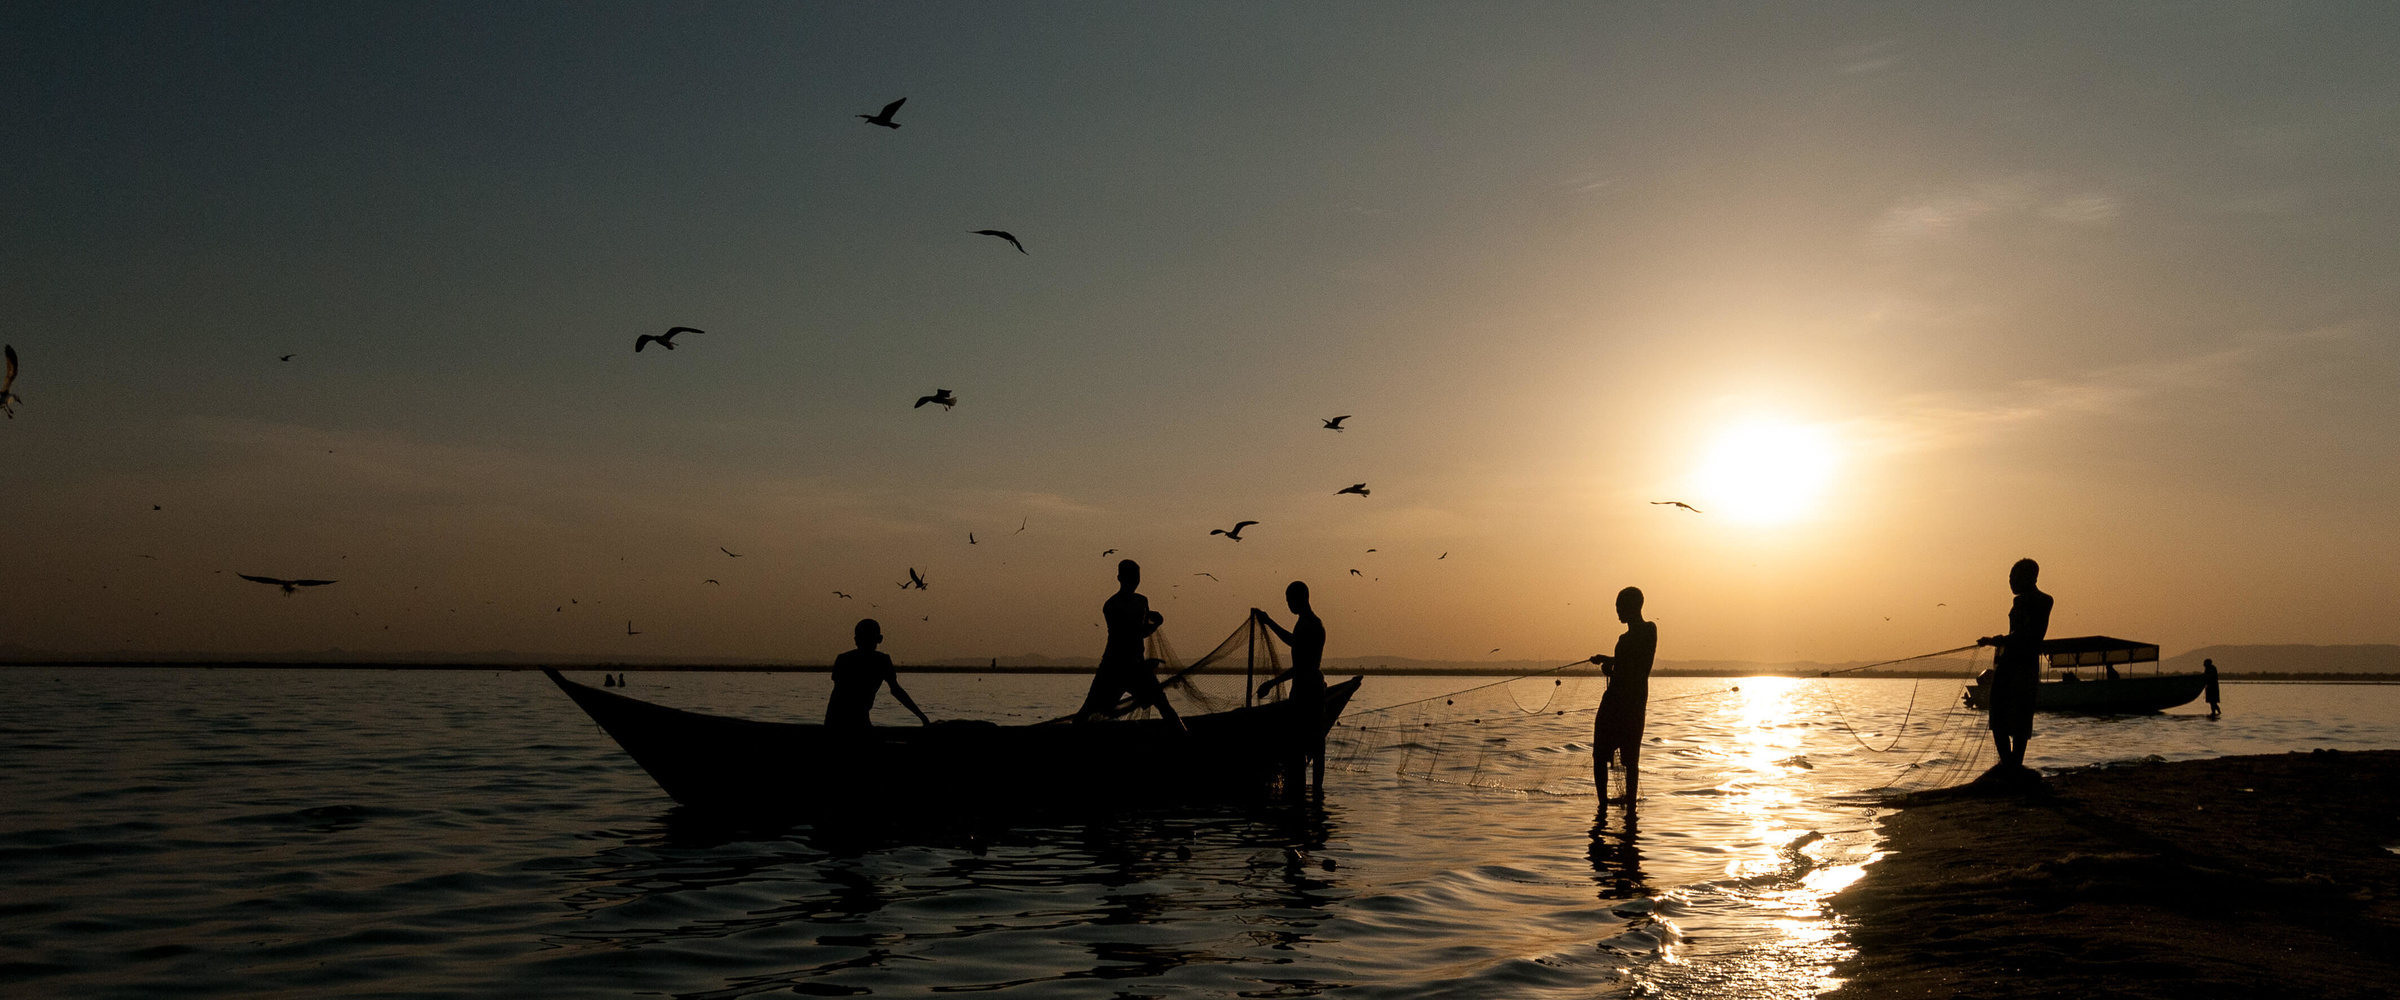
pixel 1138 894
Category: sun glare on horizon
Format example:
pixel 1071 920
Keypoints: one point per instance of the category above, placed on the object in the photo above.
pixel 1766 471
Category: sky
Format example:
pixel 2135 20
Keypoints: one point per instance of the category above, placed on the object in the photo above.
pixel 1892 294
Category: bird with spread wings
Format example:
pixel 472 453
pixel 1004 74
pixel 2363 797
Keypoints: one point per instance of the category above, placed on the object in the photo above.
pixel 884 117
pixel 290 587
pixel 666 340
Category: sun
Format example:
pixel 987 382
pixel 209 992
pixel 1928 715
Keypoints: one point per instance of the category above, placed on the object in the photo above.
pixel 1766 471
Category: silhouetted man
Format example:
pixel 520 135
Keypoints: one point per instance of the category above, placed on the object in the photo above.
pixel 2208 687
pixel 1307 639
pixel 2017 665
pixel 1617 729
pixel 1123 668
pixel 858 674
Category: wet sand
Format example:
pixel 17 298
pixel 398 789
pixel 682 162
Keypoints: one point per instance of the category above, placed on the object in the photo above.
pixel 2264 876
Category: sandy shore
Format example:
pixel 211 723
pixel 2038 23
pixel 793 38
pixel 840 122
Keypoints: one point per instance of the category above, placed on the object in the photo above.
pixel 2243 877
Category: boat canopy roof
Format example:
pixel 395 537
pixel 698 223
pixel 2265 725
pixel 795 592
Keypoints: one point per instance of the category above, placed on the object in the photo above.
pixel 2096 650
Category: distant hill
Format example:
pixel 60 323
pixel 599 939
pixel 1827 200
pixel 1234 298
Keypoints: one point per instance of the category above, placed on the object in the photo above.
pixel 2292 659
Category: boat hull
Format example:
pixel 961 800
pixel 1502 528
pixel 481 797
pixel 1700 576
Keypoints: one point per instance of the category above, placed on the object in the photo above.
pixel 2122 696
pixel 806 771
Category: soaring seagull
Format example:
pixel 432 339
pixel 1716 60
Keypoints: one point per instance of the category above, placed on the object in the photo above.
pixel 289 586
pixel 729 552
pixel 1675 503
pixel 1335 424
pixel 666 340
pixel 629 628
pixel 884 117
pixel 1358 488
pixel 914 580
pixel 287 357
pixel 1236 533
pixel 1003 234
pixel 1211 576
pixel 971 538
pixel 1108 553
pixel 6 396
pixel 1356 573
pixel 941 396
pixel 841 595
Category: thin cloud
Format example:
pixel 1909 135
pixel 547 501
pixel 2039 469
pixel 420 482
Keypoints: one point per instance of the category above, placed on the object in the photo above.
pixel 1945 214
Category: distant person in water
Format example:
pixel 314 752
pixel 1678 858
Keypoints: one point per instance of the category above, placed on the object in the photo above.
pixel 858 674
pixel 2017 665
pixel 1617 729
pixel 1123 668
pixel 2208 687
pixel 1307 639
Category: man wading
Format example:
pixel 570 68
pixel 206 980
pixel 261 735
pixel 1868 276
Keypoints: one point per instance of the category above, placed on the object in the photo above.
pixel 1617 728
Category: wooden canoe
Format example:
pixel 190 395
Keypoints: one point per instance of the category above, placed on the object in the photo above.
pixel 806 771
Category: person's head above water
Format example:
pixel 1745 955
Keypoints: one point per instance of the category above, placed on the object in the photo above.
pixel 1629 605
pixel 868 633
pixel 1296 597
pixel 2021 575
pixel 1129 574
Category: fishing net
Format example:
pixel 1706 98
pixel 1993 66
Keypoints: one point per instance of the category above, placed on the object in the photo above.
pixel 1204 685
pixel 1533 733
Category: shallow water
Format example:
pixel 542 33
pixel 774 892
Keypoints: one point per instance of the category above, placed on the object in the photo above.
pixel 374 833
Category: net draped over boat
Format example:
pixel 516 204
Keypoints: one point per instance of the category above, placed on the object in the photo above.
pixel 1249 650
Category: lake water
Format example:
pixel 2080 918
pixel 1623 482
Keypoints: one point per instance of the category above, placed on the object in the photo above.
pixel 168 833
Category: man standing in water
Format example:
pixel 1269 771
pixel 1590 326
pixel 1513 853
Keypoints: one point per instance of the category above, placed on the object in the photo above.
pixel 1123 668
pixel 858 674
pixel 1617 728
pixel 1307 639
pixel 2017 665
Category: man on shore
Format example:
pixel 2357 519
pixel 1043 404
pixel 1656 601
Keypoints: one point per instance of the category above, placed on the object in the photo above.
pixel 2017 663
pixel 1617 728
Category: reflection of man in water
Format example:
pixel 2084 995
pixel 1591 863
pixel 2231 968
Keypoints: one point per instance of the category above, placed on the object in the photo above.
pixel 1307 639
pixel 1618 727
pixel 1123 669
pixel 858 674
pixel 2017 666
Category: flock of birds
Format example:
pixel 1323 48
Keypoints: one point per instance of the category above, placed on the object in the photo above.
pixel 943 397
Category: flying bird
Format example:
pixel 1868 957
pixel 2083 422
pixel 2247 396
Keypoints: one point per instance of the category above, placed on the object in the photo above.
pixel 666 340
pixel 1675 503
pixel 1108 553
pixel 1236 533
pixel 1335 424
pixel 971 538
pixel 914 580
pixel 7 397
pixel 884 117
pixel 1495 649
pixel 1211 576
pixel 287 357
pixel 156 507
pixel 1021 523
pixel 628 627
pixel 729 552
pixel 712 581
pixel 289 586
pixel 1441 557
pixel 1003 234
pixel 1358 488
pixel 1356 573
pixel 843 596
pixel 1370 550
pixel 943 397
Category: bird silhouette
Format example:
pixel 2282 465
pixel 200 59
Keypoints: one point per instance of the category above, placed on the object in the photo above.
pixel 712 581
pixel 1675 503
pixel 1356 573
pixel 1211 576
pixel 971 538
pixel 1021 523
pixel 7 397
pixel 943 397
pixel 629 627
pixel 289 586
pixel 884 117
pixel 843 596
pixel 1108 553
pixel 1335 424
pixel 729 552
pixel 1358 488
pixel 1370 550
pixel 156 507
pixel 287 357
pixel 666 340
pixel 914 580
pixel 1236 533
pixel 1495 649
pixel 1441 557
pixel 1003 234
